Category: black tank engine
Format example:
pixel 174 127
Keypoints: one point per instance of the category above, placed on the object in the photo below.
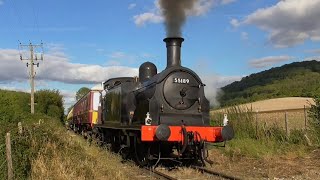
pixel 158 115
pixel 173 97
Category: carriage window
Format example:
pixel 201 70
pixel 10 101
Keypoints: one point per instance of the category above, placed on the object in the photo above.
pixel 117 83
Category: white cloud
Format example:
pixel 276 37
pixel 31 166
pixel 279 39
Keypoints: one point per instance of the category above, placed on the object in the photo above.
pixel 118 55
pixel 201 7
pixel 268 61
pixel 13 88
pixel 58 68
pixel 100 50
pixel 313 51
pixel 113 63
pixel 68 97
pixel 317 58
pixel 288 23
pixel 235 22
pixel 55 49
pixel 148 17
pixel 227 1
pixel 244 36
pixel 132 5
pixel 154 15
pixel 147 55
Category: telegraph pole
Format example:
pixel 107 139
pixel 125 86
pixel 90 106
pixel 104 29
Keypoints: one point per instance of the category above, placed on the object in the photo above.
pixel 33 57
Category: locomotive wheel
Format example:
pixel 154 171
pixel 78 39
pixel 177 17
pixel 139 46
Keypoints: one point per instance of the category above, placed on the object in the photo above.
pixel 98 138
pixel 115 144
pixel 74 128
pixel 89 137
pixel 142 152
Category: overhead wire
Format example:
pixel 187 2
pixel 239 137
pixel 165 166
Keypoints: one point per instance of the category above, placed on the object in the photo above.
pixel 35 15
pixel 5 15
pixel 16 12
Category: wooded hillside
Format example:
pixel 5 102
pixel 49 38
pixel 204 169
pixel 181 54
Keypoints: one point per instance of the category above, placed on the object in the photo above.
pixel 298 79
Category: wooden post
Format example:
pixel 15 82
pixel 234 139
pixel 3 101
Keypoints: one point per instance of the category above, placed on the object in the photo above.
pixel 9 158
pixel 308 140
pixel 286 123
pixel 20 127
pixel 256 124
pixel 305 116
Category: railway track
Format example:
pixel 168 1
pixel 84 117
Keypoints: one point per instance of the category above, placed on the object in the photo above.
pixel 210 172
pixel 160 175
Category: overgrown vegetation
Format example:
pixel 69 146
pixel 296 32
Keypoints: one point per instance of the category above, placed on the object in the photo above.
pixel 314 122
pixel 15 107
pixel 49 102
pixel 256 139
pixel 46 150
pixel 299 79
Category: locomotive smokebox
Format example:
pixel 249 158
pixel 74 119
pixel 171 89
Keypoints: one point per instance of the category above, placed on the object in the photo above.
pixel 173 51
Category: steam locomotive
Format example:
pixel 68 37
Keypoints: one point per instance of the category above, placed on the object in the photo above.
pixel 155 116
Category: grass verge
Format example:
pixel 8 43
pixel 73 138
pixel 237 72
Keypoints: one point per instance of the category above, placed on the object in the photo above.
pixel 48 151
pixel 258 140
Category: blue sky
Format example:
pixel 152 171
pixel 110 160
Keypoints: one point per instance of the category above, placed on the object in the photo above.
pixel 87 42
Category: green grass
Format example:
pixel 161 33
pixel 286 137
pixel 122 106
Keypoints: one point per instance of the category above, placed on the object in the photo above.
pixel 261 140
pixel 49 151
pixel 249 147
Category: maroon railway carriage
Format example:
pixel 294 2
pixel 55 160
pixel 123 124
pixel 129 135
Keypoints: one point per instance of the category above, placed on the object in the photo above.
pixel 86 112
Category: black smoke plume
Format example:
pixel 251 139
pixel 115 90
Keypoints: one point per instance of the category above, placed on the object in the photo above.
pixel 175 13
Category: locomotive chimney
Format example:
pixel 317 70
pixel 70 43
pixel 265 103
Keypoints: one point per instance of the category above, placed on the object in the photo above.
pixel 173 51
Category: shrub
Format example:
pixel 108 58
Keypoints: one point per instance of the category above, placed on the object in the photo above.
pixel 50 102
pixel 314 120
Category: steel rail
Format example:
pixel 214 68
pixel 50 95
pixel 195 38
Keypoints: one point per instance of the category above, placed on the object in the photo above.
pixel 208 171
pixel 159 174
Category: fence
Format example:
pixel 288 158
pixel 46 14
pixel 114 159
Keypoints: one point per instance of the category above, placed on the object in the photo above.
pixel 6 167
pixel 287 119
pixel 2 161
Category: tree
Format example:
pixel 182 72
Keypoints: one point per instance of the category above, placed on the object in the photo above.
pixel 82 92
pixel 50 102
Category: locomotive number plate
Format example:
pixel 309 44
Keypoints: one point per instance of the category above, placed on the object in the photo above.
pixel 181 80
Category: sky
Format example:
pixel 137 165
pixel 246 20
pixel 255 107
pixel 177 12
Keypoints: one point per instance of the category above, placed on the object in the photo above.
pixel 88 42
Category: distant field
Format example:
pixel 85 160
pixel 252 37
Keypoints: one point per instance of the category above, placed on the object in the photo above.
pixel 274 111
pixel 277 104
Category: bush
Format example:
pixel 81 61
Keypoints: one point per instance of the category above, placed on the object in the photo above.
pixel 314 120
pixel 297 137
pixel 50 102
pixel 14 105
